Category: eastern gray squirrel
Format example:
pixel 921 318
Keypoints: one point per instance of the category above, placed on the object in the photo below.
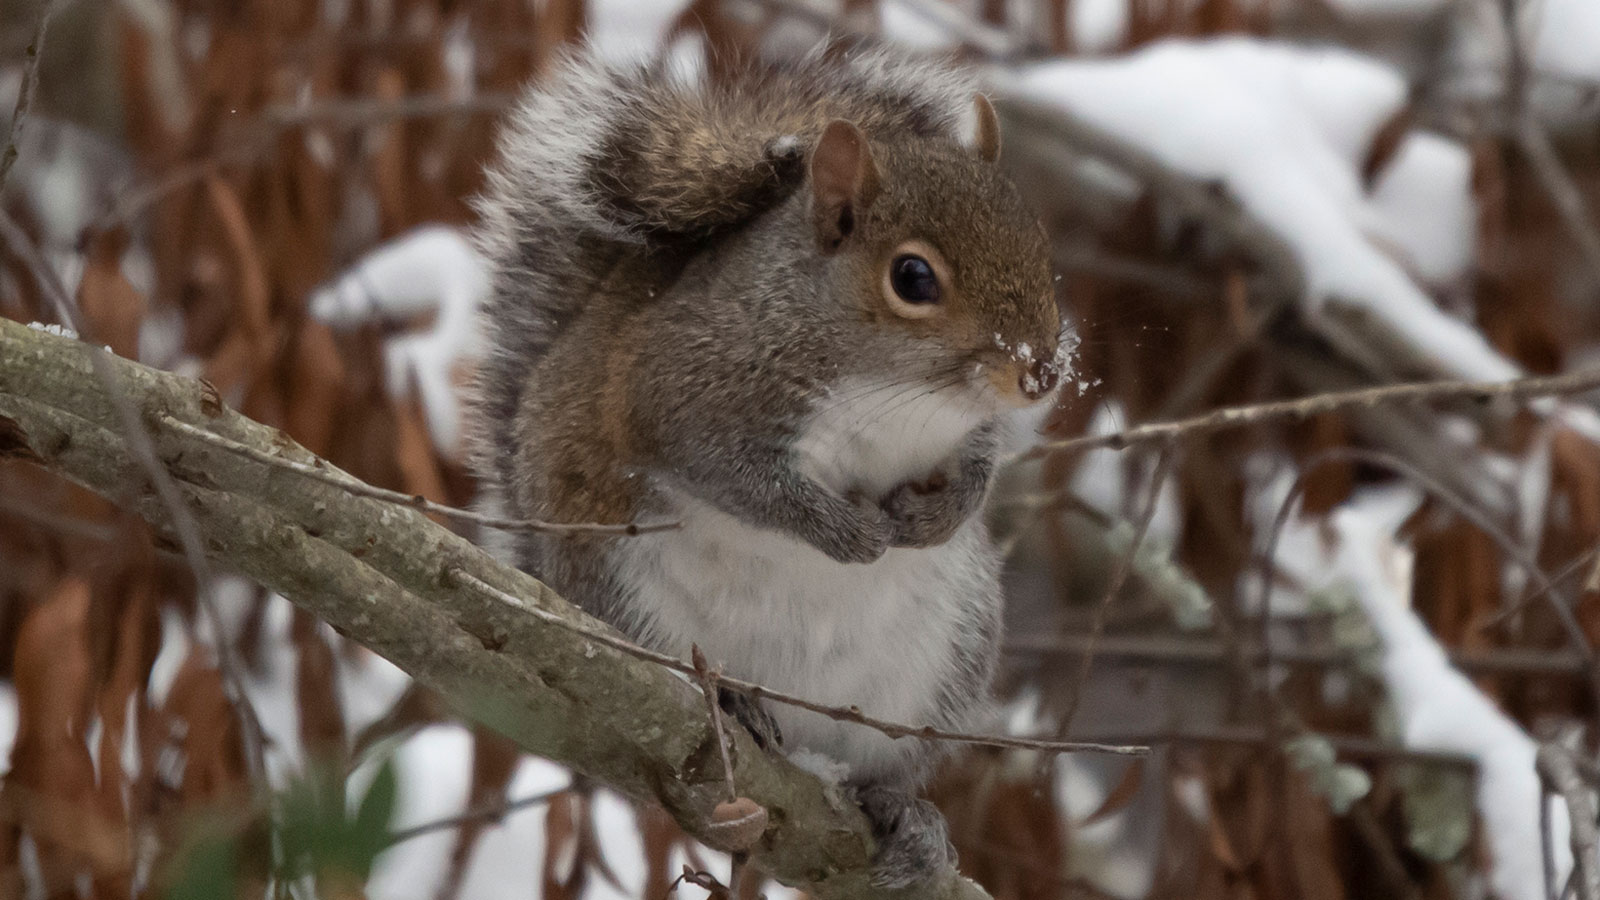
pixel 803 313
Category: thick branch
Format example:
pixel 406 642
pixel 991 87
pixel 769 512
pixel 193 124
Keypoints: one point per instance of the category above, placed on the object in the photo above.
pixel 378 573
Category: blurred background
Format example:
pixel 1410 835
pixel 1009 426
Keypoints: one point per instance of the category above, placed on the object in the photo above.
pixel 1348 636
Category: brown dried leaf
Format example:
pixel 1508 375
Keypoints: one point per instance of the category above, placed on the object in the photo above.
pixel 1240 811
pixel 51 787
pixel 316 380
pixel 561 875
pixel 213 752
pixel 494 761
pixel 660 836
pixel 1120 795
pixel 112 309
pixel 316 690
pixel 253 298
pixel 420 474
pixel 1385 144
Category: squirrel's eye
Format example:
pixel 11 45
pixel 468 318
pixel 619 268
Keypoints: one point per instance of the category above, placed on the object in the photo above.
pixel 913 280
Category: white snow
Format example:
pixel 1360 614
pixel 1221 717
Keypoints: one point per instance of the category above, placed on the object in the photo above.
pixel 1422 206
pixel 1565 37
pixel 1438 708
pixel 53 328
pixel 1386 7
pixel 1098 26
pixel 434 769
pixel 628 29
pixel 8 721
pixel 1285 129
pixel 1101 480
pixel 907 26
pixel 430 269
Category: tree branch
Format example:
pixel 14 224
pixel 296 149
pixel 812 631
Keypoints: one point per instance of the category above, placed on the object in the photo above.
pixel 378 572
pixel 1582 381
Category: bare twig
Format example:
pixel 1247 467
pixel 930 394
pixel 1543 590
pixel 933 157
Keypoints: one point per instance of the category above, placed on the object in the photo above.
pixel 1305 407
pixel 1562 190
pixel 708 678
pixel 1135 649
pixel 1119 578
pixel 26 91
pixel 837 713
pixel 362 111
pixel 1585 560
pixel 1535 144
pixel 1560 772
pixel 1347 746
pixel 480 813
pixel 1554 597
pixel 257 137
pixel 356 486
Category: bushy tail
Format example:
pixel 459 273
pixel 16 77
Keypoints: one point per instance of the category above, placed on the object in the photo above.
pixel 599 161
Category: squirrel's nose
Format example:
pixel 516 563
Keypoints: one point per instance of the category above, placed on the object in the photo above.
pixel 1038 378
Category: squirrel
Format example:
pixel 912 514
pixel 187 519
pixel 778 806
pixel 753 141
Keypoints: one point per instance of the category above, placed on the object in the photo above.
pixel 801 312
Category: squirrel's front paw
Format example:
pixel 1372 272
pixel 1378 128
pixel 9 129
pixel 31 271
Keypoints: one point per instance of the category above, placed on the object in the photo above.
pixel 913 840
pixel 926 513
pixel 859 537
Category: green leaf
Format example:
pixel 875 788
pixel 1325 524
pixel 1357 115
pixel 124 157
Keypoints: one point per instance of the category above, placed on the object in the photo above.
pixel 207 870
pixel 369 831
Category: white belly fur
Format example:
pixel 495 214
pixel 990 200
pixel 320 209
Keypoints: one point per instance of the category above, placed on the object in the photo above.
pixel 777 611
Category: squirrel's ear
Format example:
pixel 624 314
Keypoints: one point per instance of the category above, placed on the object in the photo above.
pixel 844 181
pixel 986 139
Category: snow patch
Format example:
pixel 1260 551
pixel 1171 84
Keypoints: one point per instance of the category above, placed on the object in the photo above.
pixel 829 770
pixel 433 269
pixel 1286 130
pixel 1423 206
pixel 1439 709
pixel 1565 35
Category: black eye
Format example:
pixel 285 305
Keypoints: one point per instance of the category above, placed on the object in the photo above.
pixel 913 279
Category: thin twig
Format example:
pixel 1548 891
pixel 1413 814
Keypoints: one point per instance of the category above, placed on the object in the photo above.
pixel 482 812
pixel 1554 597
pixel 363 111
pixel 1562 189
pixel 837 713
pixel 1346 746
pixel 708 678
pixel 353 485
pixel 1547 842
pixel 1168 651
pixel 1119 578
pixel 1586 559
pixel 1305 407
pixel 26 91
pixel 256 138
pixel 1557 768
pixel 1534 142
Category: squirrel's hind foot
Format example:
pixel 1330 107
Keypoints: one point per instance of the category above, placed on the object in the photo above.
pixel 747 710
pixel 913 839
